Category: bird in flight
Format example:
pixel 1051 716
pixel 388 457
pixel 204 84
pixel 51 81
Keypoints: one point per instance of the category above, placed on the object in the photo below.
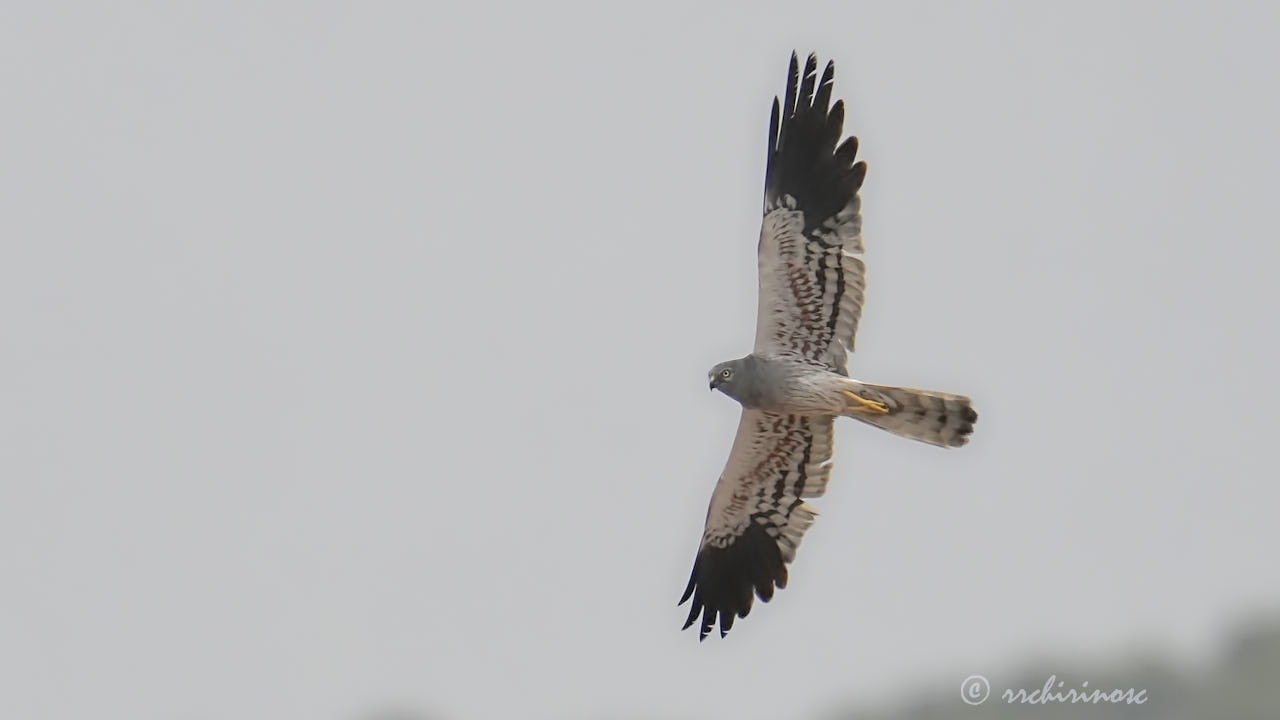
pixel 795 382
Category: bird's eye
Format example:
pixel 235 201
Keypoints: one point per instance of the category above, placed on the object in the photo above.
pixel 726 373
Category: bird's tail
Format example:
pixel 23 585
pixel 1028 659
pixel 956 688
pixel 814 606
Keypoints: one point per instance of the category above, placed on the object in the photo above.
pixel 936 418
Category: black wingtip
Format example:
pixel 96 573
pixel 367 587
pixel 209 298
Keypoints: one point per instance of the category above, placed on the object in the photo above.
pixel 793 84
pixel 688 623
pixel 804 161
pixel 823 98
pixel 774 120
pixel 726 580
pixel 806 83
pixel 693 581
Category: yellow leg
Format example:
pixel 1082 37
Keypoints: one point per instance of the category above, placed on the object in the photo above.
pixel 865 405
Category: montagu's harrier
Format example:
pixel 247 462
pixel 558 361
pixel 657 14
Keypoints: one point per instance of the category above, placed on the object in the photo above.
pixel 795 381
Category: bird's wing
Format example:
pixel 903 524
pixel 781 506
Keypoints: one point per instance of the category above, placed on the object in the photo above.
pixel 811 283
pixel 757 517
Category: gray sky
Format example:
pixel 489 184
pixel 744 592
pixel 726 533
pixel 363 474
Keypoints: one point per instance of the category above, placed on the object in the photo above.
pixel 353 356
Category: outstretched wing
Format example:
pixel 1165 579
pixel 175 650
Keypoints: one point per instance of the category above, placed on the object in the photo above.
pixel 757 517
pixel 811 284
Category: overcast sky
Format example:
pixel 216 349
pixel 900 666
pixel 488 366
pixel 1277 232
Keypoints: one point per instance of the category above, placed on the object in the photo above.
pixel 353 356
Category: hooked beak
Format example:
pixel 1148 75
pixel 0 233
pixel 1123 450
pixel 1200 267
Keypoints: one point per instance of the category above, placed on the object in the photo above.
pixel 713 384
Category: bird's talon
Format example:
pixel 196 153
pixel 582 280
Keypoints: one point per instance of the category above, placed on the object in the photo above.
pixel 866 405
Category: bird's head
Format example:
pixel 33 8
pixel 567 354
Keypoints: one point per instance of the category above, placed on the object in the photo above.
pixel 729 377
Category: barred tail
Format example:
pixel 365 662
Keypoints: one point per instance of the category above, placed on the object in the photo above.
pixel 933 417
